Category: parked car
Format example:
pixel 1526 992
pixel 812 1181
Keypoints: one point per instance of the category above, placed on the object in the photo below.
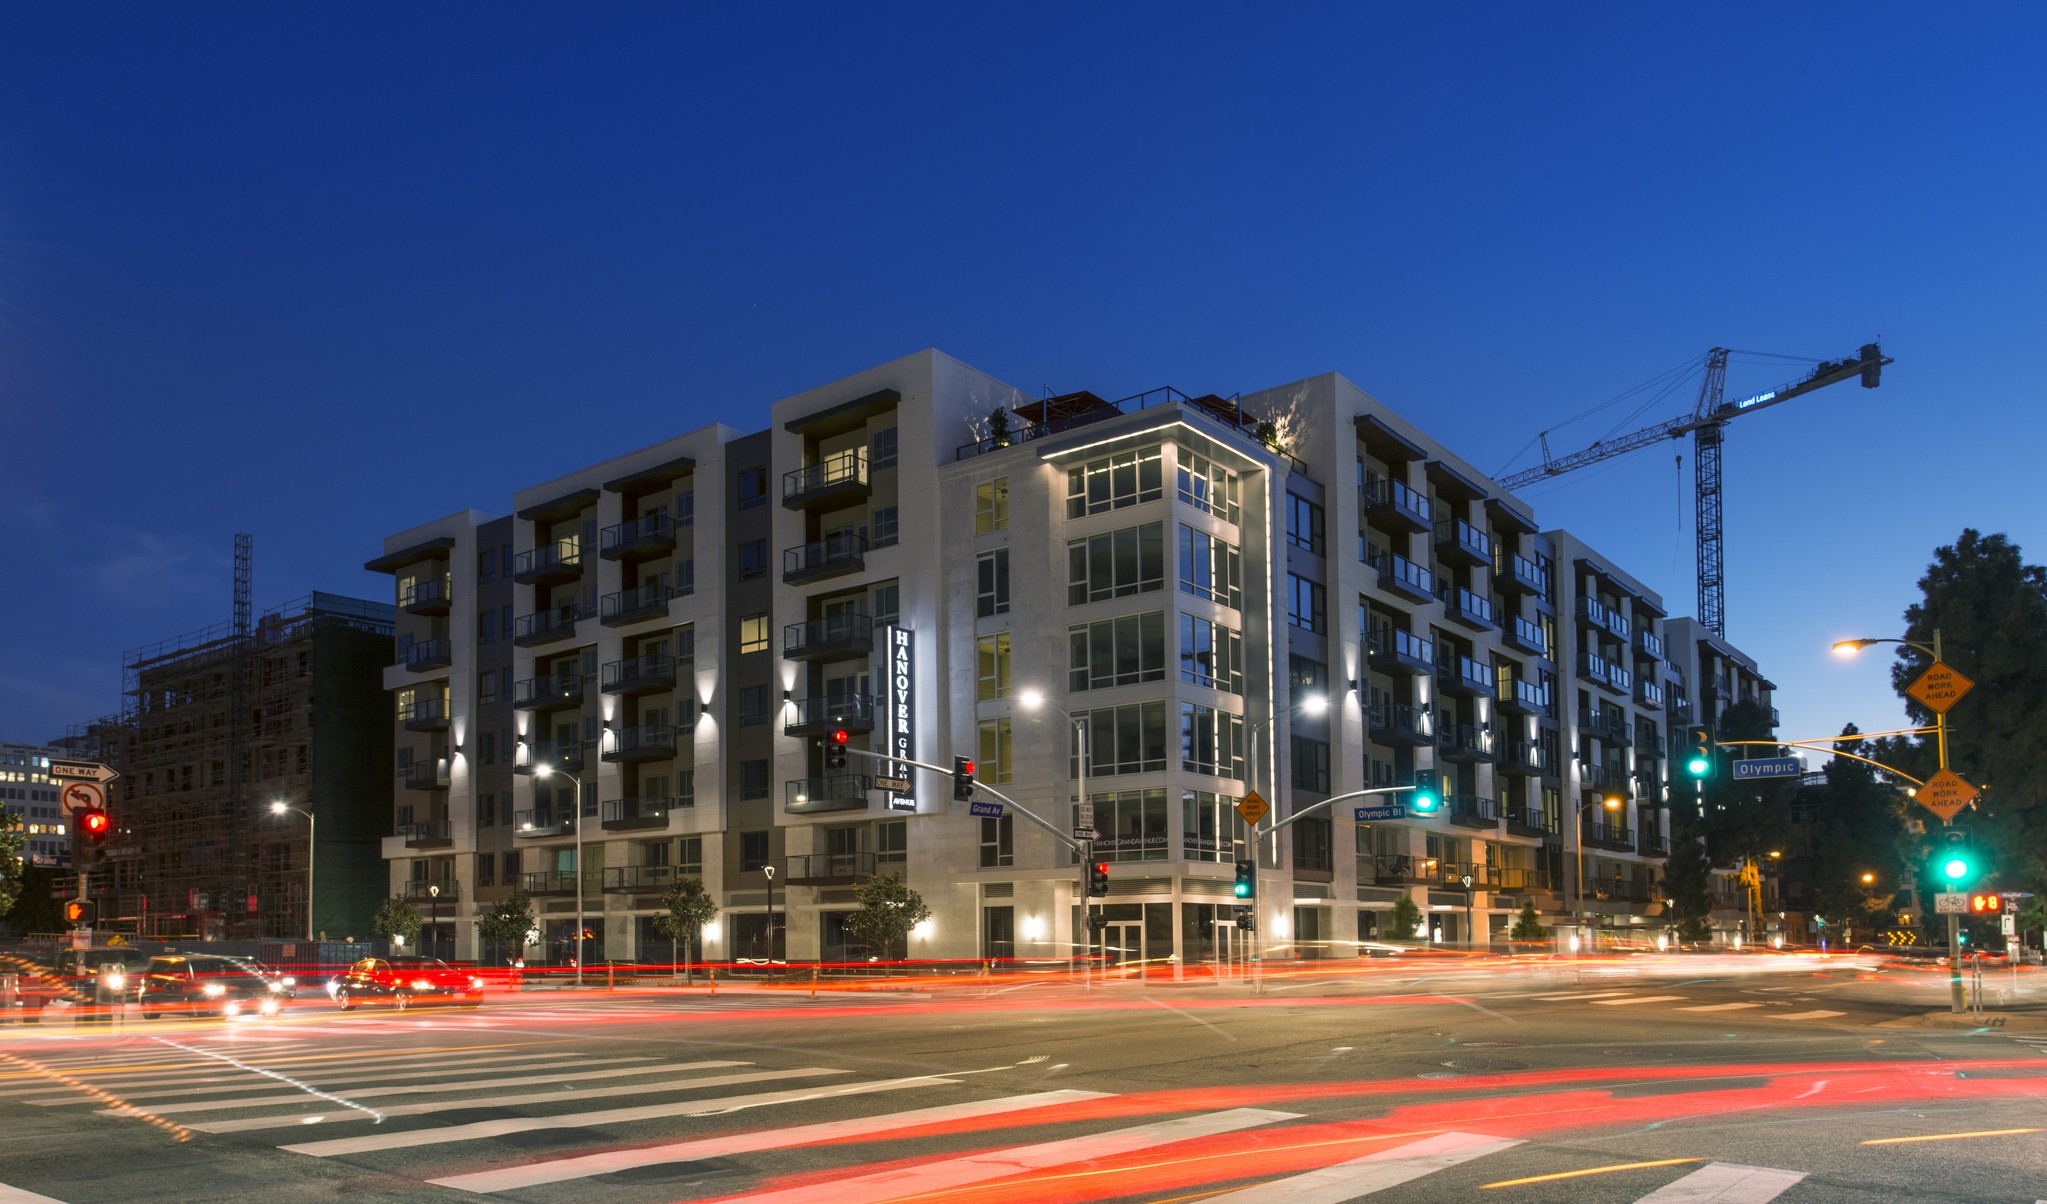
pixel 406 980
pixel 199 984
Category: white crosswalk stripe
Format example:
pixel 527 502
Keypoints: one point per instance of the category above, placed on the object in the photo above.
pixel 244 1081
pixel 576 1072
pixel 1720 1007
pixel 1569 995
pixel 1610 1003
pixel 15 1195
pixel 1821 1014
pixel 1373 1172
pixel 1725 1183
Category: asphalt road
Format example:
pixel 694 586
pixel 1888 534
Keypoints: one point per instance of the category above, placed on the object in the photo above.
pixel 1633 1080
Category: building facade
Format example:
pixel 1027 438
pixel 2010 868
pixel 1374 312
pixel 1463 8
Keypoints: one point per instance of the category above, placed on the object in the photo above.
pixel 28 794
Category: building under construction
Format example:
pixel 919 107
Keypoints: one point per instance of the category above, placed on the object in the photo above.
pixel 221 725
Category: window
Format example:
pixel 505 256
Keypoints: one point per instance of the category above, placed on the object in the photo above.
pixel 488 752
pixel 1208 486
pixel 1305 674
pixel 1208 825
pixel 686 788
pixel 1211 655
pixel 1210 568
pixel 689 855
pixel 885 526
pixel 486 567
pixel 886 604
pixel 486 687
pixel 753 559
pixel 505 683
pixel 1125 739
pixel 753 633
pixel 1132 824
pixel 1116 564
pixel 1311 764
pixel 506 557
pixel 685 507
pixel 991 595
pixel 1211 741
pixel 505 620
pixel 753 488
pixel 892 842
pixel 753 706
pixel 992 765
pixel 1312 844
pixel 1304 603
pixel 882 449
pixel 1304 524
pixel 486 810
pixel 486 626
pixel 1117 652
pixel 753 851
pixel 753 779
pixel 998 842
pixel 991 506
pixel 486 869
pixel 653 852
pixel 1113 482
pixel 992 668
pixel 510 860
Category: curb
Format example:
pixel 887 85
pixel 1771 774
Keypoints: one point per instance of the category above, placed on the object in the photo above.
pixel 2010 1022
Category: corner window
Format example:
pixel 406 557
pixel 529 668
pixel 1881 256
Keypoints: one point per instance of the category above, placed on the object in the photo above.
pixel 882 452
pixel 885 520
pixel 753 488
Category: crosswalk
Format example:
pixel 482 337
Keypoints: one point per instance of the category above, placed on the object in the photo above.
pixel 1680 1003
pixel 440 1115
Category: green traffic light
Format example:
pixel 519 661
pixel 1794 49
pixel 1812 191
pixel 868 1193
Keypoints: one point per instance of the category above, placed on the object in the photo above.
pixel 1954 869
pixel 1698 767
pixel 1243 890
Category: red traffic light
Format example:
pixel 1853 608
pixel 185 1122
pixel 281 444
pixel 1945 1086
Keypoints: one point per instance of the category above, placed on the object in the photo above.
pixel 967 768
pixel 840 735
pixel 1101 867
pixel 1985 903
pixel 95 822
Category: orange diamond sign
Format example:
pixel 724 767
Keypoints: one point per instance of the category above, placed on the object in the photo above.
pixel 1944 794
pixel 1939 688
pixel 1253 808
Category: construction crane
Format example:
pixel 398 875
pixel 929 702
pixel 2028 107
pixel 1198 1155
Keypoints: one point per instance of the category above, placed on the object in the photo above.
pixel 1704 425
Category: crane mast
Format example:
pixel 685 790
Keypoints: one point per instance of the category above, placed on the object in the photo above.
pixel 1704 424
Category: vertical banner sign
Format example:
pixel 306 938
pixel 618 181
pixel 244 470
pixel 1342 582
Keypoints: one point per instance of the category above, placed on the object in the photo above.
pixel 902 714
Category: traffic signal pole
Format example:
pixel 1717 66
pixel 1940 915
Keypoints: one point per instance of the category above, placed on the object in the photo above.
pixel 1954 922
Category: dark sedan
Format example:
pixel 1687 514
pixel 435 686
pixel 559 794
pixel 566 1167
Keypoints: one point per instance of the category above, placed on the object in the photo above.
pixel 202 984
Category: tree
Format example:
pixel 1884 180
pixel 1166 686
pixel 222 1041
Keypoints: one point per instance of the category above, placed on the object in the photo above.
pixel 396 918
pixel 1745 819
pixel 687 907
pixel 1405 920
pixel 1528 926
pixel 1688 875
pixel 13 835
pixel 507 924
pixel 37 909
pixel 888 910
pixel 1859 832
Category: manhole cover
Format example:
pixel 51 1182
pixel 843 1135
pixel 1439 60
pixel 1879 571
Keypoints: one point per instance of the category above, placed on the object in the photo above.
pixel 1470 1064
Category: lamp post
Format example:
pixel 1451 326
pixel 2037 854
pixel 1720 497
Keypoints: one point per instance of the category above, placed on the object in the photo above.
pixel 1954 925
pixel 769 870
pixel 1032 699
pixel 279 807
pixel 433 923
pixel 1313 704
pixel 544 770
pixel 1612 803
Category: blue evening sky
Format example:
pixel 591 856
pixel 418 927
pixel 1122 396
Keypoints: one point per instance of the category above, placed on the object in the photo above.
pixel 321 273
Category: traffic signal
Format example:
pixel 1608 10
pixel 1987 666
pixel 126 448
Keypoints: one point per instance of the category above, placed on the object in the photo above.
pixel 81 912
pixel 835 749
pixel 1699 750
pixel 1247 919
pixel 1952 860
pixel 1428 792
pixel 1247 879
pixel 1986 903
pixel 1098 879
pixel 963 780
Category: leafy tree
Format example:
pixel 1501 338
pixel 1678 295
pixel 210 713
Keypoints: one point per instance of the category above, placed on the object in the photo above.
pixel 13 835
pixel 1860 831
pixel 1528 926
pixel 37 909
pixel 1745 819
pixel 396 918
pixel 888 910
pixel 687 907
pixel 507 924
pixel 1687 875
pixel 1405 920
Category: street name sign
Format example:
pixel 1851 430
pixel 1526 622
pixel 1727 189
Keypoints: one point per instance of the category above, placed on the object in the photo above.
pixel 990 810
pixel 1382 811
pixel 1253 808
pixel 83 771
pixel 1768 767
pixel 1944 794
pixel 1939 688
pixel 1951 903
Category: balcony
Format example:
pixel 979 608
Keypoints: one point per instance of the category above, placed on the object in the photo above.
pixel 1652 844
pixel 1618 624
pixel 424 890
pixel 647 742
pixel 429 597
pixel 830 869
pixel 1458 542
pixel 1648 644
pixel 1618 678
pixel 1471 811
pixel 547 626
pixel 1465 677
pixel 550 564
pixel 1648 693
pixel 1649 746
pixel 641 538
pixel 1519 696
pixel 554 693
pixel 1526 821
pixel 835 555
pixel 1602 724
pixel 832 484
pixel 1520 575
pixel 1469 609
pixel 1394 869
pixel 561 754
pixel 1591 612
pixel 1390 645
pixel 425 655
pixel 1517 879
pixel 841 792
pixel 431 774
pixel 426 834
pixel 1593 667
pixel 543 823
pixel 633 814
pixel 1678 711
pixel 1401 576
pixel 642 877
pixel 819 716
pixel 639 675
pixel 554 882
pixel 1527 636
pixel 1616 890
pixel 847 633
pixel 635 605
pixel 1402 724
pixel 1526 758
pixel 1464 744
pixel 424 715
pixel 1605 779
pixel 1612 837
pixel 1392 506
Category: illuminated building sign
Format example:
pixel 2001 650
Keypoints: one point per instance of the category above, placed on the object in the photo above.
pixel 902 714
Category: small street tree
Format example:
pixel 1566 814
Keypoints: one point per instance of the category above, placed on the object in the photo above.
pixel 1687 875
pixel 1407 918
pixel 507 924
pixel 1528 926
pixel 396 918
pixel 12 837
pixel 888 910
pixel 686 908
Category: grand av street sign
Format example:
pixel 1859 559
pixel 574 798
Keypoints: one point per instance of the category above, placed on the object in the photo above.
pixel 1755 768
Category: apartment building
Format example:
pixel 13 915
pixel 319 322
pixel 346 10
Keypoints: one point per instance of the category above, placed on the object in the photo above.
pixel 1297 591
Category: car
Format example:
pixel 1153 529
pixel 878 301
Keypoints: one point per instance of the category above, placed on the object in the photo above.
pixel 406 980
pixel 200 983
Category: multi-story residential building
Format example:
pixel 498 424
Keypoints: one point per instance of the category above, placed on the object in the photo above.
pixel 1298 591
pixel 28 794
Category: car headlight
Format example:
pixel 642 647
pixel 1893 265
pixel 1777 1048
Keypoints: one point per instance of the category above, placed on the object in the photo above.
pixel 269 1007
pixel 290 981
pixel 421 984
pixel 117 981
pixel 215 990
pixel 476 984
pixel 233 1009
pixel 276 986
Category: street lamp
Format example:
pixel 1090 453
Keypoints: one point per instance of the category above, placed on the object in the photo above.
pixel 433 923
pixel 1611 802
pixel 544 770
pixel 279 807
pixel 769 870
pixel 1313 704
pixel 1033 699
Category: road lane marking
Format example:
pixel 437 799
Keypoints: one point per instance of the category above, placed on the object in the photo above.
pixel 1719 1007
pixel 1373 1172
pixel 15 1195
pixel 527 1080
pixel 1590 1170
pixel 1948 1136
pixel 240 1082
pixel 365 1055
pixel 1621 1003
pixel 1725 1183
pixel 1820 1015
pixel 1000 1164
pixel 1580 995
pixel 585 1120
pixel 514 1178
pixel 286 1120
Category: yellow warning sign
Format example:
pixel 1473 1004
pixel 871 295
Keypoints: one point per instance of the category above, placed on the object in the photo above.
pixel 1944 794
pixel 1253 808
pixel 1940 687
